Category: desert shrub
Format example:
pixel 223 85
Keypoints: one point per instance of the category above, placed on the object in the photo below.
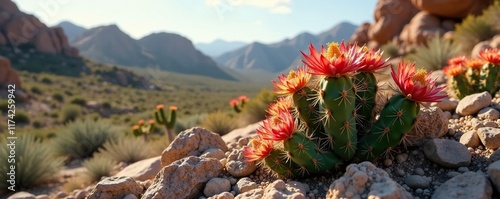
pixel 125 149
pixel 58 97
pixel 37 124
pixel 35 163
pixel 81 139
pixel 78 101
pixel 98 167
pixel 435 54
pixel 75 183
pixel 390 49
pixel 46 80
pixel 189 122
pixel 255 110
pixel 473 30
pixel 36 90
pixel 21 117
pixel 219 122
pixel 71 112
pixel 4 106
pixel 106 105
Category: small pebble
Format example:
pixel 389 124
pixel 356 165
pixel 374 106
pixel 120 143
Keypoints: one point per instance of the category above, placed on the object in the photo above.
pixel 463 169
pixel 400 158
pixel 400 172
pixel 419 171
pixel 451 131
pixel 452 174
pixel 419 191
pixel 387 162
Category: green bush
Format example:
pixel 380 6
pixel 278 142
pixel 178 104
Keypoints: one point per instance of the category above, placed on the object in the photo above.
pixel 98 167
pixel 81 139
pixel 36 90
pixel 434 55
pixel 255 110
pixel 21 117
pixel 471 31
pixel 390 49
pixel 58 97
pixel 219 122
pixel 35 163
pixel 79 101
pixel 4 106
pixel 492 14
pixel 71 112
pixel 126 149
pixel 46 80
pixel 189 122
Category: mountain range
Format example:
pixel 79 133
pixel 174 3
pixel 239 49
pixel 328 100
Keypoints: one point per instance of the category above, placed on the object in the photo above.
pixel 218 47
pixel 284 55
pixel 71 30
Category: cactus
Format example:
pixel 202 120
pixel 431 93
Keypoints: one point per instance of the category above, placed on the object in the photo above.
pixel 162 119
pixel 474 73
pixel 291 145
pixel 235 103
pixel 490 72
pixel 458 81
pixel 143 129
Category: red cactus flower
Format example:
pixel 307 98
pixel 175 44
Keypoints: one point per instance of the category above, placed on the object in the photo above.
pixel 151 121
pixel 159 106
pixel 292 83
pixel 282 104
pixel 457 60
pixel 258 150
pixel 416 85
pixel 243 98
pixel 336 61
pixel 277 128
pixel 172 108
pixel 135 127
pixel 490 55
pixel 454 70
pixel 140 122
pixel 234 102
pixel 373 61
pixel 474 63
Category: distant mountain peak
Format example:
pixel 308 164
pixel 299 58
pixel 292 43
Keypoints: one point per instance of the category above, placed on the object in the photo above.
pixel 218 47
pixel 72 30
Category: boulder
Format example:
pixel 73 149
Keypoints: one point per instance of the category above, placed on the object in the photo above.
pixel 472 104
pixel 237 165
pixel 22 195
pixel 290 190
pixel 184 178
pixel 7 74
pixel 447 153
pixel 421 28
pixel 465 186
pixel 142 170
pixel 390 18
pixel 495 42
pixel 451 8
pixel 490 137
pixel 360 36
pixel 431 123
pixel 115 187
pixel 478 47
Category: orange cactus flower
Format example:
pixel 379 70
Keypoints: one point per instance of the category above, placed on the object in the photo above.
pixel 295 81
pixel 454 70
pixel 457 60
pixel 335 61
pixel 151 121
pixel 172 108
pixel 234 102
pixel 416 85
pixel 135 127
pixel 243 98
pixel 140 122
pixel 474 63
pixel 258 150
pixel 277 128
pixel 159 106
pixel 373 61
pixel 490 55
pixel 282 104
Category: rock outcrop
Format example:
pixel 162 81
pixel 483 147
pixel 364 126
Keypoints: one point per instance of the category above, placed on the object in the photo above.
pixel 451 8
pixel 7 74
pixel 18 29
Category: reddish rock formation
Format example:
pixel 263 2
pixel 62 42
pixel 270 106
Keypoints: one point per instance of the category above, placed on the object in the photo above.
pixel 361 34
pixel 390 18
pixel 7 74
pixel 451 8
pixel 422 27
pixel 19 28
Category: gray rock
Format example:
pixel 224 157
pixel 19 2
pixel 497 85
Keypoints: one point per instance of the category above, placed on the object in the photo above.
pixel 22 195
pixel 130 196
pixel 465 186
pixel 142 170
pixel 223 195
pixel 478 47
pixel 490 137
pixel 244 184
pixel 446 104
pixel 191 142
pixel 280 189
pixel 471 104
pixel 115 187
pixel 82 194
pixel 419 171
pixel 216 186
pixel 490 124
pixel 488 113
pixel 237 165
pixel 253 194
pixel 447 153
pixel 495 156
pixel 365 180
pixel 431 123
pixel 214 153
pixel 183 178
pixel 494 174
pixel 416 181
pixel 470 139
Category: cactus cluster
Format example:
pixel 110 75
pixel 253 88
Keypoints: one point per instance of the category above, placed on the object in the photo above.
pixel 161 118
pixel 238 104
pixel 325 115
pixel 141 128
pixel 474 75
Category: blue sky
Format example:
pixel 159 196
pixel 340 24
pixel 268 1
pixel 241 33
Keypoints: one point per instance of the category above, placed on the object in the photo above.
pixel 206 20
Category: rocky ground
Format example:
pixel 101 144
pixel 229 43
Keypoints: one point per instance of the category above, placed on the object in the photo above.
pixel 453 153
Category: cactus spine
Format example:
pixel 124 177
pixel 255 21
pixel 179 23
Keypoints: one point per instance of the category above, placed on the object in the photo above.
pixel 162 119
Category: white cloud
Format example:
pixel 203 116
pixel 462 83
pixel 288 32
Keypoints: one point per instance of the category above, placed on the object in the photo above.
pixel 274 6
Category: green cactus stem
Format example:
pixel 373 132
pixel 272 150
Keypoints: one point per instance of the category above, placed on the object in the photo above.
pixel 490 78
pixel 308 111
pixel 366 91
pixel 474 76
pixel 396 119
pixel 278 162
pixel 461 85
pixel 338 105
pixel 162 119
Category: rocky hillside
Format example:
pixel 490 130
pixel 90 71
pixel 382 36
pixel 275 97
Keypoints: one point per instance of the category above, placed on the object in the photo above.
pixel 218 47
pixel 20 29
pixel 72 30
pixel 282 55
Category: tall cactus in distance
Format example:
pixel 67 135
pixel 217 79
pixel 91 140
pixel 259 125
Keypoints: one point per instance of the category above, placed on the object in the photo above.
pixel 235 103
pixel 490 73
pixel 162 119
pixel 474 73
pixel 336 65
